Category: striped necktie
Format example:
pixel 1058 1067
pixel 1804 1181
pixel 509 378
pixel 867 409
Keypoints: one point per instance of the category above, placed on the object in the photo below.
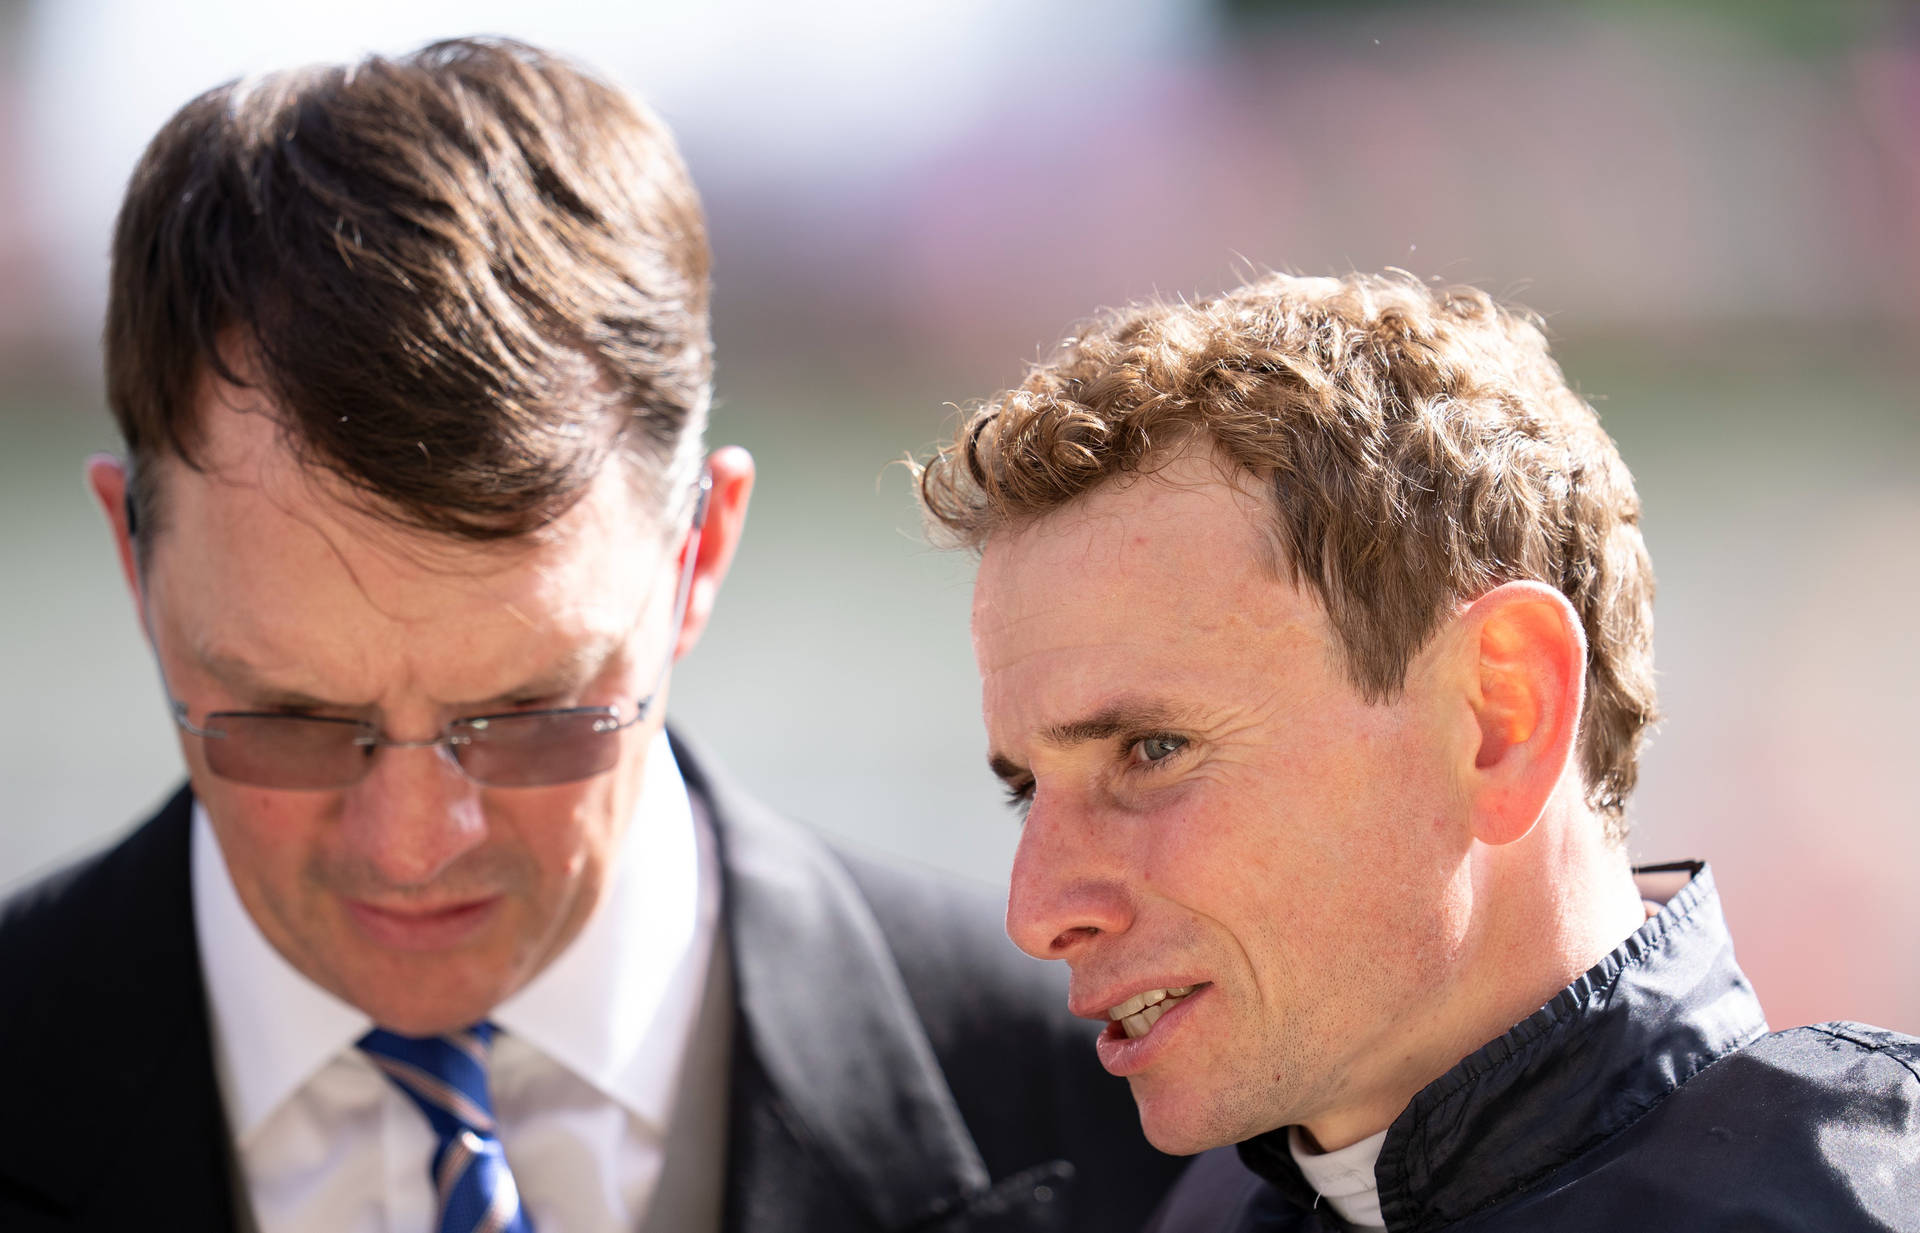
pixel 447 1077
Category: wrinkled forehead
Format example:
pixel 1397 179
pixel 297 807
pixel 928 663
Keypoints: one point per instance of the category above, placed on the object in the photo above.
pixel 257 530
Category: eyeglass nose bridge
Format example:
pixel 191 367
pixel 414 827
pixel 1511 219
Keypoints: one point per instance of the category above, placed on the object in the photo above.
pixel 445 741
pixel 449 745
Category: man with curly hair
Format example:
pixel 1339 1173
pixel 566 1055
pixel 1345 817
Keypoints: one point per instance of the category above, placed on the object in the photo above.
pixel 1314 623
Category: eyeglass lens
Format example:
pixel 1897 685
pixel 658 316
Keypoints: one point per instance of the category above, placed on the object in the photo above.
pixel 317 752
pixel 286 751
pixel 525 751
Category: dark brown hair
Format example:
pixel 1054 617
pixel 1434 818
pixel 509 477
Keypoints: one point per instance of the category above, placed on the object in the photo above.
pixel 1420 446
pixel 467 277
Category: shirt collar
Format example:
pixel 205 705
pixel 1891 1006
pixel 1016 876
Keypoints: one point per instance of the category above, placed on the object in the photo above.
pixel 618 1005
pixel 272 1027
pixel 615 1007
pixel 1344 1176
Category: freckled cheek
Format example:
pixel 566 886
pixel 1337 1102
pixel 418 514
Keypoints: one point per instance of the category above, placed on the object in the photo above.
pixel 1215 859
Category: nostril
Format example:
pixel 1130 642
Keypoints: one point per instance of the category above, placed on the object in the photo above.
pixel 1078 933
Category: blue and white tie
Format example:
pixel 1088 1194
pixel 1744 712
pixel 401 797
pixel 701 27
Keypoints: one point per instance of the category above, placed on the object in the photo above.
pixel 447 1077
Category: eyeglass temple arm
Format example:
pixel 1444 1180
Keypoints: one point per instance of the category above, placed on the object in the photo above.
pixel 682 590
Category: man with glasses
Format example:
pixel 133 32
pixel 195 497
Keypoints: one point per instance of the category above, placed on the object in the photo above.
pixel 411 359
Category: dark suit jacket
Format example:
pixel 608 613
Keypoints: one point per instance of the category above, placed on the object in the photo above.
pixel 940 1088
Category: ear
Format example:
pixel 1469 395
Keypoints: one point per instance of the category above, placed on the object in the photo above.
pixel 107 477
pixel 1526 698
pixel 732 471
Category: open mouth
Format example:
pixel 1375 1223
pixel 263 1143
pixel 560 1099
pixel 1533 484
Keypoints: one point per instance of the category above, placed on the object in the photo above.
pixel 1137 1015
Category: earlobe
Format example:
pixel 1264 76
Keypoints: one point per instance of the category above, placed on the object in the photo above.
pixel 107 479
pixel 726 515
pixel 1526 698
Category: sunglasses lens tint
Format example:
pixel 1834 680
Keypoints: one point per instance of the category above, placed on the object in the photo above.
pixel 526 751
pixel 288 751
pixel 502 751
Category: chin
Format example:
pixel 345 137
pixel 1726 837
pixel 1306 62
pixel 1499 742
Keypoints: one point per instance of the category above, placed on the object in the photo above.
pixel 1181 1126
pixel 426 995
pixel 423 1012
pixel 1182 1140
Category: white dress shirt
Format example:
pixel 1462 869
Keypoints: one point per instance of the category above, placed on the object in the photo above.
pixel 584 1067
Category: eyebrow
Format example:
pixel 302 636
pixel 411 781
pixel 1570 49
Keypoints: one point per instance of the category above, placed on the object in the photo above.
pixel 580 664
pixel 243 680
pixel 1129 715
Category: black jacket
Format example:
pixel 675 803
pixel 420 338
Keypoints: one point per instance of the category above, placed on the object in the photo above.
pixel 942 1089
pixel 1646 1096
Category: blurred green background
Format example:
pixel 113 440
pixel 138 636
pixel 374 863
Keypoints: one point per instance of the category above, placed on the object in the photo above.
pixel 1716 206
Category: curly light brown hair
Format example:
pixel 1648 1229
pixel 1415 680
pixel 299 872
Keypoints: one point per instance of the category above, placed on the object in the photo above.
pixel 1420 446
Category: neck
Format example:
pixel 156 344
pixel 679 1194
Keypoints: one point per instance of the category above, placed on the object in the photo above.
pixel 1545 908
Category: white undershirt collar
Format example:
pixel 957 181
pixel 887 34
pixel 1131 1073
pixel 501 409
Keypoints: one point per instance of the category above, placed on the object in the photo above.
pixel 615 1007
pixel 1344 1177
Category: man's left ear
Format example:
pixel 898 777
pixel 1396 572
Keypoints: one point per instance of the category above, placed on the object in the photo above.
pixel 1526 698
pixel 731 469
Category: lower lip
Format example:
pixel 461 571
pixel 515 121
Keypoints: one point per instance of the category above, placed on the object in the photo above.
pixel 423 931
pixel 1124 1055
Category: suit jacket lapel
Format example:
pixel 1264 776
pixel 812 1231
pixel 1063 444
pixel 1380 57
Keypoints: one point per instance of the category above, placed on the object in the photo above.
pixel 128 1129
pixel 176 1149
pixel 828 1047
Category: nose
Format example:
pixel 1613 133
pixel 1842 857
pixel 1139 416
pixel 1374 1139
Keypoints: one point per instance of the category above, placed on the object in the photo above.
pixel 413 815
pixel 1068 885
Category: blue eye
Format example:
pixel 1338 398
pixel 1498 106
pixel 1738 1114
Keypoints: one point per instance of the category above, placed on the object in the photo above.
pixel 1152 749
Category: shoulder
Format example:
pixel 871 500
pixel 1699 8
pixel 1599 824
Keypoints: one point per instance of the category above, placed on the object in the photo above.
pixel 1022 1070
pixel 949 937
pixel 944 933
pixel 1219 1194
pixel 992 1014
pixel 127 902
pixel 1823 1077
pixel 1867 1061
pixel 1814 1128
pixel 85 953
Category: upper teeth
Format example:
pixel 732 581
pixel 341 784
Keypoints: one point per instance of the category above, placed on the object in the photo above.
pixel 1138 1013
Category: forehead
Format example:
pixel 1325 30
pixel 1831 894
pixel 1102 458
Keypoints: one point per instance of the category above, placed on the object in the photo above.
pixel 1192 538
pixel 259 556
pixel 1166 580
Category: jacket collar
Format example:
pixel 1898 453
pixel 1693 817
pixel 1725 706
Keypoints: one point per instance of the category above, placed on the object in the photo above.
pixel 1665 1004
pixel 836 1034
